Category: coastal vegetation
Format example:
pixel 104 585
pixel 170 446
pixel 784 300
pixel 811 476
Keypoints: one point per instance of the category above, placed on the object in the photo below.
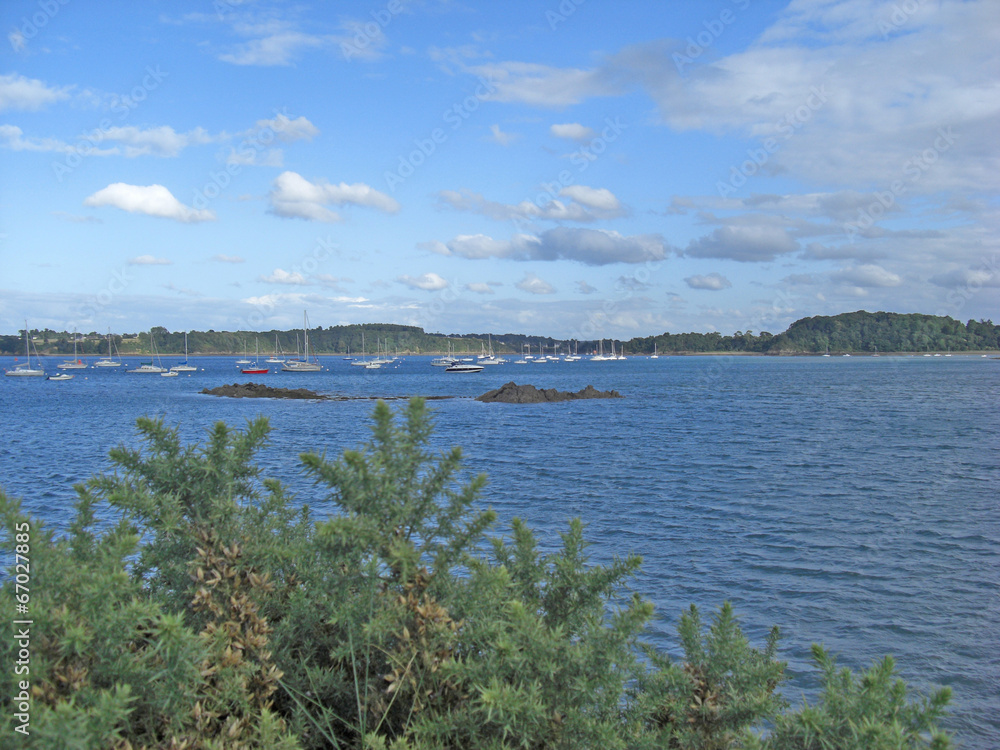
pixel 195 604
pixel 856 332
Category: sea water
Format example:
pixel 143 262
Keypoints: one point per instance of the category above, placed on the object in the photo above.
pixel 852 501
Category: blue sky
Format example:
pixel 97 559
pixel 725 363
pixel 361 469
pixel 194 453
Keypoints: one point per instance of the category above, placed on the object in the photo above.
pixel 576 169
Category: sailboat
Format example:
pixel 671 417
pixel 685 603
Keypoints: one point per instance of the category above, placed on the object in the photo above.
pixel 253 368
pixel 149 368
pixel 302 365
pixel 109 361
pixel 376 363
pixel 599 357
pixel 73 364
pixel 276 359
pixel 361 362
pixel 490 358
pixel 447 360
pixel 184 366
pixel 25 370
pixel 655 355
pixel 244 361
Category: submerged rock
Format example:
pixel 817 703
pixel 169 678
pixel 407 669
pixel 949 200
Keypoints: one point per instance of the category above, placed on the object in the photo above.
pixel 259 390
pixel 512 393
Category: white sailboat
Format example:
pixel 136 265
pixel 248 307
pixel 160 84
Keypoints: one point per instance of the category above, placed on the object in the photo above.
pixel 153 367
pixel 655 355
pixel 244 361
pixel 25 370
pixel 361 362
pixel 446 361
pixel 184 366
pixel 109 361
pixel 490 358
pixel 276 359
pixel 302 365
pixel 599 357
pixel 73 364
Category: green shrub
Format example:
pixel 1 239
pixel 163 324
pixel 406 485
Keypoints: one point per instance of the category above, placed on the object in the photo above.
pixel 216 613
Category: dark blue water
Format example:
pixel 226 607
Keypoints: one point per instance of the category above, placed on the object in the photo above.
pixel 851 501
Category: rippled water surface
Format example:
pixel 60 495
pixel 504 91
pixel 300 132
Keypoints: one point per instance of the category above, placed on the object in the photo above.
pixel 851 501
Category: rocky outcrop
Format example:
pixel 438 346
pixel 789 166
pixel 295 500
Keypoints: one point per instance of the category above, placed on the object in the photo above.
pixel 259 390
pixel 512 393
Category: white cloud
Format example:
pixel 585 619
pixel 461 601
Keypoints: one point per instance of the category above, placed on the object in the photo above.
pixel 251 157
pixel 287 129
pixel 148 260
pixel 292 195
pixel 534 285
pixel 595 247
pixel 711 281
pixel 600 199
pixel 481 287
pixel 573 131
pixel 152 200
pixel 280 276
pixel 498 136
pixel 970 278
pixel 227 258
pixel 584 288
pixel 161 141
pixel 276 49
pixel 543 85
pixel 867 275
pixel 428 282
pixel 13 138
pixel 586 204
pixel 832 118
pixel 29 94
pixel 749 244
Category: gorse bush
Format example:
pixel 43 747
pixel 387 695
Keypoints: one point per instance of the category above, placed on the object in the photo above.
pixel 217 613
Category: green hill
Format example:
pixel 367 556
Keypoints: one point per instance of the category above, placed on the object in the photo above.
pixel 856 332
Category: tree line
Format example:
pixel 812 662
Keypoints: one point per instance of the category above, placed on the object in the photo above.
pixel 855 332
